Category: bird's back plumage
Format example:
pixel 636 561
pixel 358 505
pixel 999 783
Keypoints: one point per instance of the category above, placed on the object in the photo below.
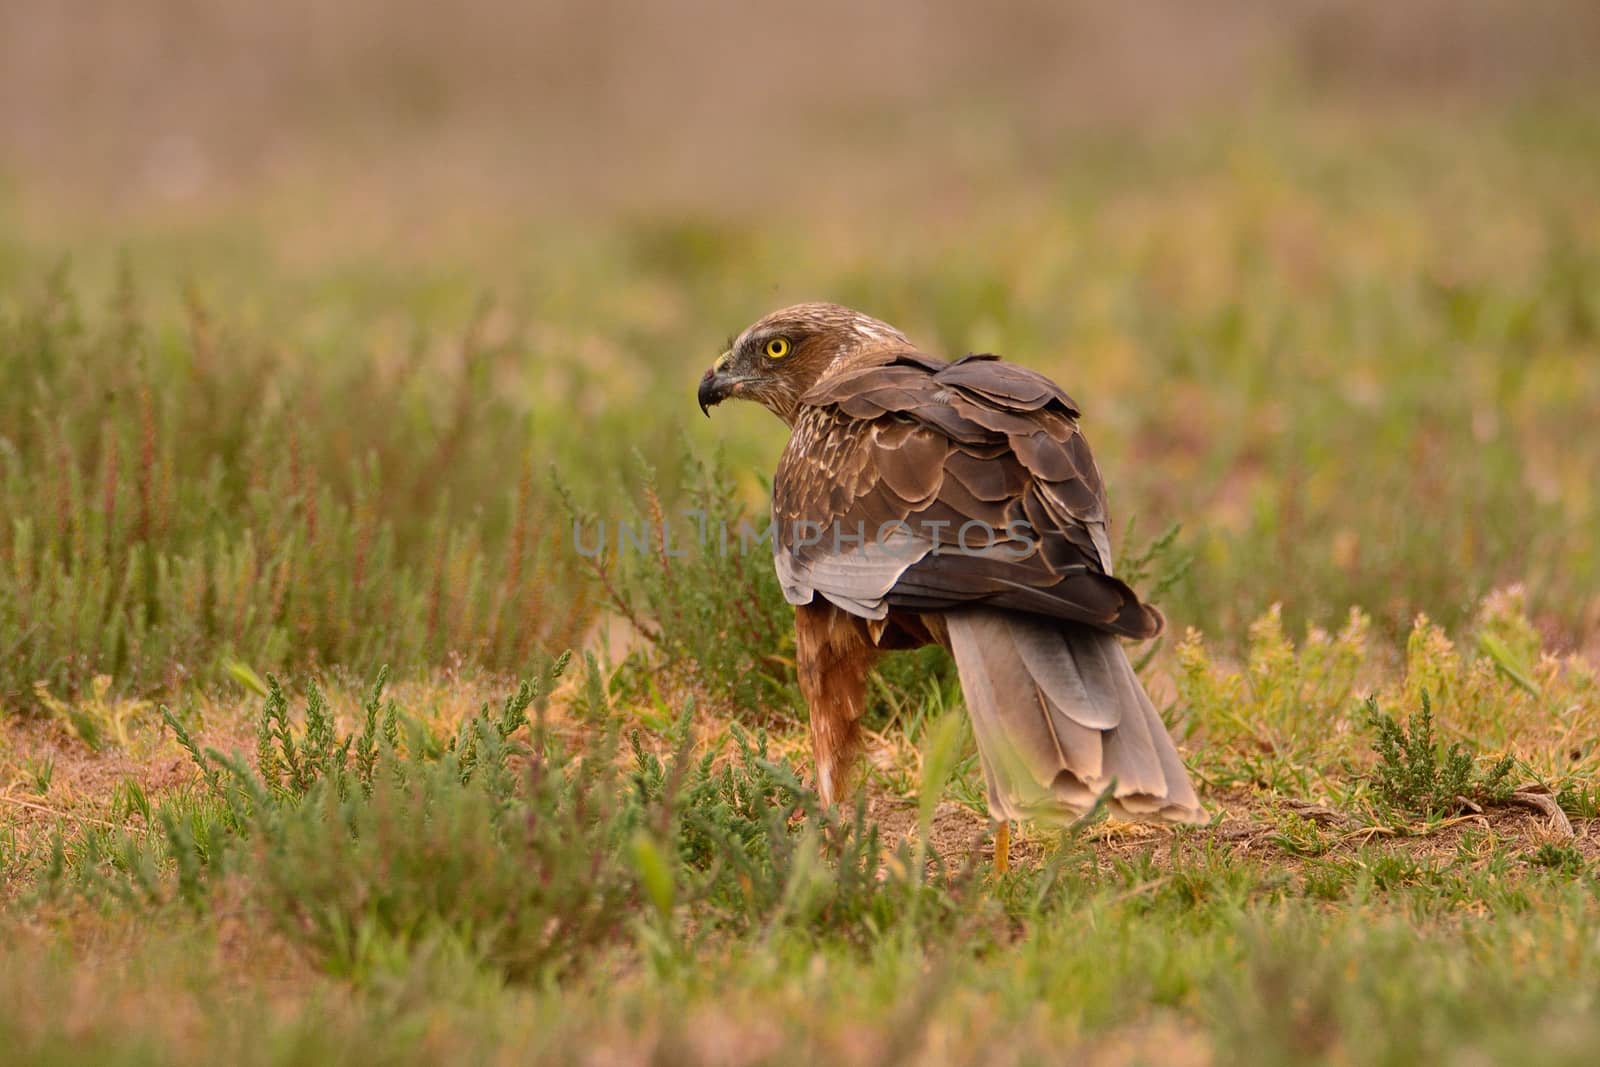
pixel 890 462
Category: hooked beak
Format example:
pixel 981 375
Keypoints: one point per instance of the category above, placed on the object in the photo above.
pixel 715 386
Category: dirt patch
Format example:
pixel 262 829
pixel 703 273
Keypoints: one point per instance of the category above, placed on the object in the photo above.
pixel 47 775
pixel 1249 826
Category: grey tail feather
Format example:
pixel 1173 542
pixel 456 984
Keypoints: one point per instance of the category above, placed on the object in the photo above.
pixel 1061 719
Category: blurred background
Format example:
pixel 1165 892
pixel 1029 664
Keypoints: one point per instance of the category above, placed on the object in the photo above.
pixel 712 103
pixel 302 302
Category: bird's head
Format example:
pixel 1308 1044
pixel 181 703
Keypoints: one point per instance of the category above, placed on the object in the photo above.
pixel 776 360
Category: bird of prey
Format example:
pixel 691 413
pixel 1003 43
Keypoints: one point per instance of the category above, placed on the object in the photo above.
pixel 925 501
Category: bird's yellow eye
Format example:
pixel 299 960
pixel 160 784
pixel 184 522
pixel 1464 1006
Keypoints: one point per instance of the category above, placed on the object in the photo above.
pixel 777 348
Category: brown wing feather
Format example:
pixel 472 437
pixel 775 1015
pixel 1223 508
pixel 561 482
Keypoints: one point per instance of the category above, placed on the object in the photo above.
pixel 922 441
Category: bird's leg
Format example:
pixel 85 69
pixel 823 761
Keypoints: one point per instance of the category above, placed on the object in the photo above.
pixel 833 745
pixel 832 655
pixel 1002 848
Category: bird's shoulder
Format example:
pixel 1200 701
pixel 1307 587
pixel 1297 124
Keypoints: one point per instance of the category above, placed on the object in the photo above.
pixel 905 380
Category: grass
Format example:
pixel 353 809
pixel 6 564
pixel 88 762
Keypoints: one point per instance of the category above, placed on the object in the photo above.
pixel 1347 436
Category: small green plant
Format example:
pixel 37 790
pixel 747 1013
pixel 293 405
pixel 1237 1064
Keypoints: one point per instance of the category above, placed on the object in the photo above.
pixel 758 849
pixel 97 717
pixel 1299 835
pixel 1418 775
pixel 698 586
pixel 1153 570
pixel 43 771
pixel 291 766
pixel 129 798
pixel 1580 797
pixel 1559 857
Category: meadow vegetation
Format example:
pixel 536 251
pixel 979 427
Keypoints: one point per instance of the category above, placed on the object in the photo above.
pixel 321 740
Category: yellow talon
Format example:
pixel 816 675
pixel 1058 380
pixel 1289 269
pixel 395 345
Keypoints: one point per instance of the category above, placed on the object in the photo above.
pixel 1002 849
